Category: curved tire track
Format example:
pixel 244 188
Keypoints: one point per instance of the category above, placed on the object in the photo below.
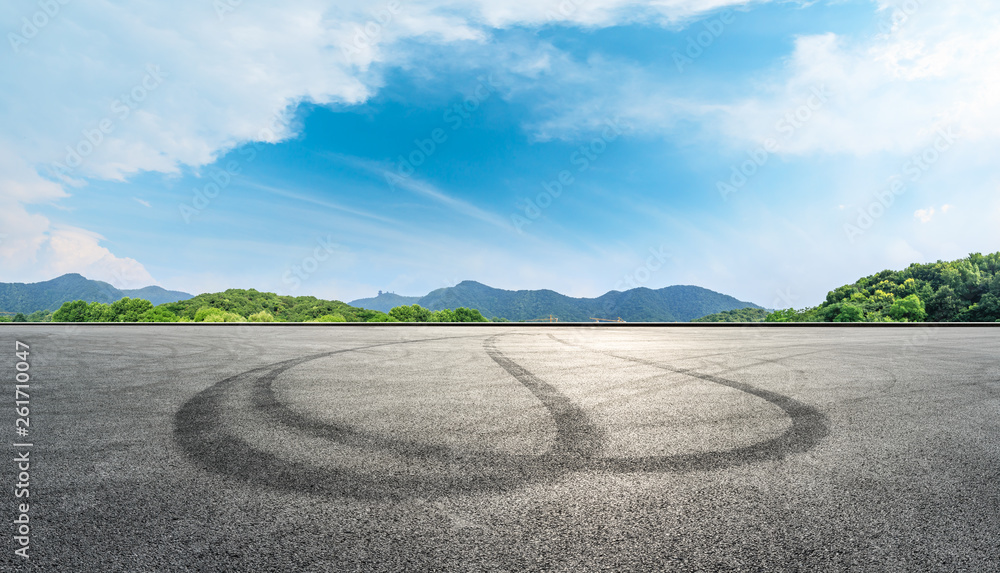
pixel 809 426
pixel 202 435
pixel 204 438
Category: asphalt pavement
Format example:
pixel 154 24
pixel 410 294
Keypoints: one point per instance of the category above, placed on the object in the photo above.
pixel 290 448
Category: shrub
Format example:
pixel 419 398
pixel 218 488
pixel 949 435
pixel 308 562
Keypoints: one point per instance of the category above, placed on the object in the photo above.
pixel 209 314
pixel 330 318
pixel 262 316
pixel 158 315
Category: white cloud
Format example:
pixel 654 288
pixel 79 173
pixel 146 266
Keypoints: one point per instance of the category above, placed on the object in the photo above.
pixel 927 215
pixel 937 66
pixel 924 215
pixel 31 256
pixel 934 67
pixel 178 86
pixel 114 88
pixel 78 250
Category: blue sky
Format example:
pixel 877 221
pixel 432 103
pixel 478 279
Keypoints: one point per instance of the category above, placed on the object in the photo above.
pixel 768 150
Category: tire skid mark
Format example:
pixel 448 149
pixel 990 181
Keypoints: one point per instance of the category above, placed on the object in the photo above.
pixel 202 434
pixel 575 433
pixel 203 437
pixel 809 426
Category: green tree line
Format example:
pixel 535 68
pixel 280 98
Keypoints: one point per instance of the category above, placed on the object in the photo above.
pixel 37 316
pixel 251 306
pixel 966 290
pixel 748 314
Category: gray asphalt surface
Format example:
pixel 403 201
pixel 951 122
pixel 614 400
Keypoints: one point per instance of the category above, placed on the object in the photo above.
pixel 221 448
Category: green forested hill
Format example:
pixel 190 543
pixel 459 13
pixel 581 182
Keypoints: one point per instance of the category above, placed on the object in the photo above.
pixel 738 315
pixel 670 304
pixel 282 308
pixel 156 295
pixel 966 290
pixel 385 301
pixel 50 295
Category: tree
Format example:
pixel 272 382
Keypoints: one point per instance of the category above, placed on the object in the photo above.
pixel 129 309
pixel 158 315
pixel 208 314
pixel 748 314
pixel 908 309
pixel 986 310
pixel 330 318
pixel 413 313
pixel 381 317
pixel 100 312
pixel 443 315
pixel 75 311
pixel 40 316
pixel 945 305
pixel 262 316
pixel 840 294
pixel 850 313
pixel 19 317
pixel 463 314
pixel 784 315
pixel 204 312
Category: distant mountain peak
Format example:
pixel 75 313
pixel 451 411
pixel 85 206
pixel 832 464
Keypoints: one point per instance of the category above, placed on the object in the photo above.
pixel 678 303
pixel 51 294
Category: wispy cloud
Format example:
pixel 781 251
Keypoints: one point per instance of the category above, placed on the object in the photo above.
pixel 457 205
pixel 321 202
pixel 425 189
pixel 142 202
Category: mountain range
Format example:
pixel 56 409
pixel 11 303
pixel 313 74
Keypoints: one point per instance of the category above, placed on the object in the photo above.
pixel 50 295
pixel 670 304
pixel 681 303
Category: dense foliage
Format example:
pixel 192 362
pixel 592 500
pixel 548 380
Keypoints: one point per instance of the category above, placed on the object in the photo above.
pixel 37 316
pixel 748 314
pixel 236 305
pixel 966 290
pixel 246 303
pixel 417 313
pixel 124 310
